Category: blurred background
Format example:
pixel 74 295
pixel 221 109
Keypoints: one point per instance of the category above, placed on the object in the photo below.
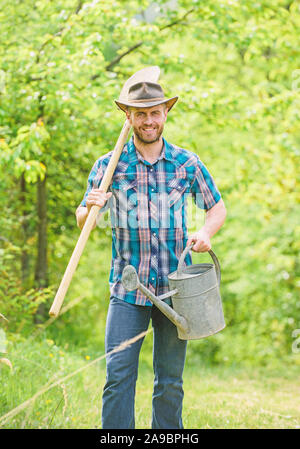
pixel 236 68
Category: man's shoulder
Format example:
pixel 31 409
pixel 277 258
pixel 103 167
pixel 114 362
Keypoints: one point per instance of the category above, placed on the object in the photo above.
pixel 104 159
pixel 122 164
pixel 182 155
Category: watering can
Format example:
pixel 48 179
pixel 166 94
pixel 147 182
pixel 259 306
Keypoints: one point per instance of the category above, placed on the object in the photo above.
pixel 197 306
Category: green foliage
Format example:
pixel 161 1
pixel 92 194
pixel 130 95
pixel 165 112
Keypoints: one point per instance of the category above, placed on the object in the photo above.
pixel 235 66
pixel 19 306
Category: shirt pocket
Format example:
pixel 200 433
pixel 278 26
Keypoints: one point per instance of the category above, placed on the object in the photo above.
pixel 124 189
pixel 176 189
pixel 124 202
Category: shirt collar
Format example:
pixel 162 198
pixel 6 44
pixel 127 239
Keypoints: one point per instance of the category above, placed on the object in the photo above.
pixel 135 156
pixel 168 150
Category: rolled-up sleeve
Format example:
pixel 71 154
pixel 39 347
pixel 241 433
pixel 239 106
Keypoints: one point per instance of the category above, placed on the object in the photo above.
pixel 204 190
pixel 94 181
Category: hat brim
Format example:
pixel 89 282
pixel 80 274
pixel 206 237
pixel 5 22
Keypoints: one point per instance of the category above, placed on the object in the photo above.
pixel 147 104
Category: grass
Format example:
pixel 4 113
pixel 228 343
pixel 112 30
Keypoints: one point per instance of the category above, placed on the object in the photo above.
pixel 215 397
pixel 238 399
pixel 220 396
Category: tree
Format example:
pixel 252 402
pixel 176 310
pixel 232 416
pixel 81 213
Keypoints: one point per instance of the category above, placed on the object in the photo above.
pixel 235 66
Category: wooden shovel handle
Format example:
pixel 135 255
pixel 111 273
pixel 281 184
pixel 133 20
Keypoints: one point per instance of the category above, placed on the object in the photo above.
pixel 84 235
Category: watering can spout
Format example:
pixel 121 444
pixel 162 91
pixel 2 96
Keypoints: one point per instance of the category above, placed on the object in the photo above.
pixel 131 282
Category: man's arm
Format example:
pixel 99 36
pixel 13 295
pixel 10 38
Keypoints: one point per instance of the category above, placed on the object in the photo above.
pixel 96 197
pixel 214 219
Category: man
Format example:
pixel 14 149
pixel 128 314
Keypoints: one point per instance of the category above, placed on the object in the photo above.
pixel 147 201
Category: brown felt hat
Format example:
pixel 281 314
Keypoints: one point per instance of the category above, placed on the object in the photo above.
pixel 145 95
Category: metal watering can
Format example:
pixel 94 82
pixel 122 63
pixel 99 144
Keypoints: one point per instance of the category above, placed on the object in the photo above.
pixel 197 306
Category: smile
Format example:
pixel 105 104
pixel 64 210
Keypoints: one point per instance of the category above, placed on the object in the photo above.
pixel 149 130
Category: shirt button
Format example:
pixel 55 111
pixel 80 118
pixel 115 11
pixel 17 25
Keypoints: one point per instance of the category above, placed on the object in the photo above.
pixel 153 279
pixel 154 234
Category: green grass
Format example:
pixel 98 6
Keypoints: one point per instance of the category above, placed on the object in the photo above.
pixel 219 396
pixel 215 397
pixel 239 399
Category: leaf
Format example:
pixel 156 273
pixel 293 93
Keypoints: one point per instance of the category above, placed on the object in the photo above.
pixel 2 316
pixel 23 129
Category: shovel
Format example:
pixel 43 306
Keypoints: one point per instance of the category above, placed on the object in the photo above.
pixel 150 74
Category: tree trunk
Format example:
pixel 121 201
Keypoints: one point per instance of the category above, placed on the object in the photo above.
pixel 24 226
pixel 41 269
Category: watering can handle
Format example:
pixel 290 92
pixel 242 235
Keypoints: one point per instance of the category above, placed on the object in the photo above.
pixel 211 253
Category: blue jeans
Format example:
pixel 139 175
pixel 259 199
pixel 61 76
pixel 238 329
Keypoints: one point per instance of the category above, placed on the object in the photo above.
pixel 125 321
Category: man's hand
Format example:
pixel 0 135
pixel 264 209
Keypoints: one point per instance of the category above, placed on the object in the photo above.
pixel 214 219
pixel 201 241
pixel 97 197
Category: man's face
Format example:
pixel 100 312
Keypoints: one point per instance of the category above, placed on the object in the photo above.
pixel 148 123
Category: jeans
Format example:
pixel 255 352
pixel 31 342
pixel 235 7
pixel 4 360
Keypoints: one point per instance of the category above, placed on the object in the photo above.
pixel 125 321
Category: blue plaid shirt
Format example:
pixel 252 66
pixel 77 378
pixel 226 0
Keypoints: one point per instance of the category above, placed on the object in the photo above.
pixel 148 213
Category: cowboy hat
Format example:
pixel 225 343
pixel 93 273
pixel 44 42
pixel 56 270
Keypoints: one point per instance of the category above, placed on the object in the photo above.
pixel 145 95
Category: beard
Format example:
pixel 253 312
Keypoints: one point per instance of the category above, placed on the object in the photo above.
pixel 148 139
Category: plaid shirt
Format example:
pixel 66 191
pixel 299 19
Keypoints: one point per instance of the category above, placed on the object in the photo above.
pixel 148 213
